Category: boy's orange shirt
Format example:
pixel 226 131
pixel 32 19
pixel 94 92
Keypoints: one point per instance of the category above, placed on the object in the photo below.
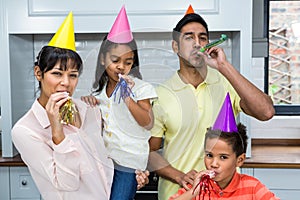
pixel 241 187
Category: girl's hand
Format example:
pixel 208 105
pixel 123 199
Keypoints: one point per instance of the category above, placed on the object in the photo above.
pixel 129 81
pixel 90 100
pixel 142 178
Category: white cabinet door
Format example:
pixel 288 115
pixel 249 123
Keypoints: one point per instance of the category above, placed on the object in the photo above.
pixel 277 179
pixel 283 182
pixel 287 194
pixel 22 185
pixel 4 182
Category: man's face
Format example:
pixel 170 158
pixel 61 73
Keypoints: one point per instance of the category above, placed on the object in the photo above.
pixel 193 36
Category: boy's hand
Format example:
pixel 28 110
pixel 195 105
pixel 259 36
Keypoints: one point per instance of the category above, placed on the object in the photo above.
pixel 198 176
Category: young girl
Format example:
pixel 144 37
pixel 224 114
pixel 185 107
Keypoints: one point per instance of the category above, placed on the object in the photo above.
pixel 225 150
pixel 127 117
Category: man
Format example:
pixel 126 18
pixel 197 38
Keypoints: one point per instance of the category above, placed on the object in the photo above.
pixel 189 102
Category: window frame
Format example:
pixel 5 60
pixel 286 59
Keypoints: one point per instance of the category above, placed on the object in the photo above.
pixel 280 110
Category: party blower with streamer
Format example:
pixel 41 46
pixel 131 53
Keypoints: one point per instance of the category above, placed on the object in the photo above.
pixel 68 112
pixel 125 90
pixel 222 39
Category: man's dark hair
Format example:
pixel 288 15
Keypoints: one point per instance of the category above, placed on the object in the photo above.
pixel 192 17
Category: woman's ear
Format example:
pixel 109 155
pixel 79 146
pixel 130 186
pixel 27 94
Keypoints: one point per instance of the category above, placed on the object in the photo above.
pixel 175 46
pixel 38 73
pixel 240 160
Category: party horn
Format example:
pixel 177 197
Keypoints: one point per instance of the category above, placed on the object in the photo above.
pixel 68 112
pixel 214 43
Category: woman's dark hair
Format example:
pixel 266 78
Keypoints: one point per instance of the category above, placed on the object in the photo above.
pixel 192 17
pixel 237 140
pixel 49 56
pixel 101 76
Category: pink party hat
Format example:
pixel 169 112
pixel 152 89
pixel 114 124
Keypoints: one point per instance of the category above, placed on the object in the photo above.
pixel 226 120
pixel 120 31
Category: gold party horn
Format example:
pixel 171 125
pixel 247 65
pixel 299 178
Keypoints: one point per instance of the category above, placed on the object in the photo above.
pixel 68 112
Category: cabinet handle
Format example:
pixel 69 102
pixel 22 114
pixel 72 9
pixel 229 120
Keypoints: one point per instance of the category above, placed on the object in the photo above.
pixel 24 182
pixel 155 179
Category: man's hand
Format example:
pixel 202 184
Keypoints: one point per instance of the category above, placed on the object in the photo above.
pixel 187 179
pixel 215 57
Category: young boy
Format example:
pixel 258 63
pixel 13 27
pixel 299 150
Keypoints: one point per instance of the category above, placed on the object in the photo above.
pixel 225 148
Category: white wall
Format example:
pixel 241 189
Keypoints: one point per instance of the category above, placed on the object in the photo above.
pixel 23 20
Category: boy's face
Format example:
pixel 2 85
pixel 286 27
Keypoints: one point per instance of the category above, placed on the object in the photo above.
pixel 219 157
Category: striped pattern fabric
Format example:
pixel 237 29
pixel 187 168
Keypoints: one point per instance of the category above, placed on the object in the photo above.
pixel 242 187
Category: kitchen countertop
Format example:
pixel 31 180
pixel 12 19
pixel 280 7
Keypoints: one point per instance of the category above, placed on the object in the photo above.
pixel 15 161
pixel 273 156
pixel 265 154
pixel 274 153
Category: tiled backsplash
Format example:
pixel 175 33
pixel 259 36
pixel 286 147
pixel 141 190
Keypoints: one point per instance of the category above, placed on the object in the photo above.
pixel 157 60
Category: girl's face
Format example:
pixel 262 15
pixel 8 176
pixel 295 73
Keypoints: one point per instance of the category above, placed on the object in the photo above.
pixel 118 60
pixel 56 80
pixel 220 158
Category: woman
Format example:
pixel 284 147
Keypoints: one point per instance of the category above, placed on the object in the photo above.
pixel 67 159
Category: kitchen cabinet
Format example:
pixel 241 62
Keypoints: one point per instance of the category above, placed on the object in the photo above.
pixel 4 183
pixel 22 185
pixel 17 184
pixel 282 182
pixel 149 192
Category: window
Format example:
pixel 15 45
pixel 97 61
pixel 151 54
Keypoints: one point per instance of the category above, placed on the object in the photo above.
pixel 284 55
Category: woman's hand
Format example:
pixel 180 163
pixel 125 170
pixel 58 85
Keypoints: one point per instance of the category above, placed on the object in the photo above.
pixel 142 178
pixel 56 100
pixel 90 100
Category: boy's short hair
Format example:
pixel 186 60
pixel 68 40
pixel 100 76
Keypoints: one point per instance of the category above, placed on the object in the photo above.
pixel 238 140
pixel 192 17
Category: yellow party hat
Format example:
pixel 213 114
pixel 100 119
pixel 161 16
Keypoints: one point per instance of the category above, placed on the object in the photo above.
pixel 64 37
